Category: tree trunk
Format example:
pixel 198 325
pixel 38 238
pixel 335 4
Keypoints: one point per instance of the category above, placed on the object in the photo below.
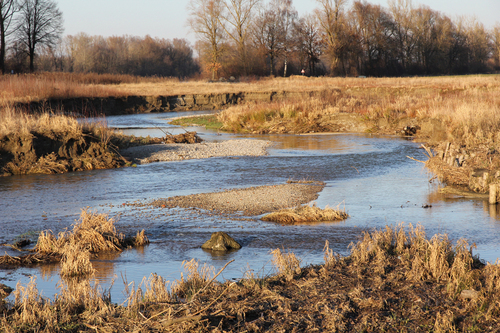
pixel 32 60
pixel 2 47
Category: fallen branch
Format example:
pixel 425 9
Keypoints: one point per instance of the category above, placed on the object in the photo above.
pixel 428 150
pixel 411 158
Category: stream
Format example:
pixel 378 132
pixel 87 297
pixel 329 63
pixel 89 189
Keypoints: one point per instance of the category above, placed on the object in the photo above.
pixel 369 176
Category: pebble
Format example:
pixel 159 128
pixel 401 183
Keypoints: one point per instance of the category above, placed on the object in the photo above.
pixel 251 201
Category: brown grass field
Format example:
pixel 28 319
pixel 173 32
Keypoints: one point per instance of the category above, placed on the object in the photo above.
pixel 395 280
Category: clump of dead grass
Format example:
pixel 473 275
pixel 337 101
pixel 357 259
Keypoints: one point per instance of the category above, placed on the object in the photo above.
pixel 93 232
pixel 76 262
pixel 305 213
pixel 287 264
pixel 197 277
pixel 48 143
pixel 424 259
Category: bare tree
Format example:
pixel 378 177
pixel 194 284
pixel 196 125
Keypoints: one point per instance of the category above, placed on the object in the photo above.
pixel 333 23
pixel 7 10
pixel 236 23
pixel 268 36
pixel 205 21
pixel 479 45
pixel 308 41
pixel 39 23
pixel 287 15
pixel 496 45
pixel 373 27
pixel 402 11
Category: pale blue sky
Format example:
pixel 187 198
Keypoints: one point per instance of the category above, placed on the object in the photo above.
pixel 167 18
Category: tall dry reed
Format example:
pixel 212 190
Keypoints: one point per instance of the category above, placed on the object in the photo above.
pixel 286 264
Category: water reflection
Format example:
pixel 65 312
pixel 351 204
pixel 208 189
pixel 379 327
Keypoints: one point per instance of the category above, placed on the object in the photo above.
pixel 493 211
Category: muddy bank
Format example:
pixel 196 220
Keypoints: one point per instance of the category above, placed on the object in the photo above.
pixel 469 170
pixel 50 152
pixel 144 104
pixel 251 201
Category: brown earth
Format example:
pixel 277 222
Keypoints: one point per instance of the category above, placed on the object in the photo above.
pixel 469 169
pixel 55 153
pixel 144 104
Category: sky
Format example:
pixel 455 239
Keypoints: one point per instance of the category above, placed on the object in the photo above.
pixel 167 18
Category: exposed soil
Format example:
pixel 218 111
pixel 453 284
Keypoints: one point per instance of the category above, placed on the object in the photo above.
pixel 55 153
pixel 251 201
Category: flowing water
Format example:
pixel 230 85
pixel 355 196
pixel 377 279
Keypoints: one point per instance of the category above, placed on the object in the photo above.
pixel 371 177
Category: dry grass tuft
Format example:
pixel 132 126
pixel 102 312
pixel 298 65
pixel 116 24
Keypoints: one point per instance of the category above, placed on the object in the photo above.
pixel 306 213
pixel 93 232
pixel 197 278
pixel 96 233
pixel 76 262
pixel 434 259
pixel 14 121
pixel 140 238
pixel 287 264
pixel 31 306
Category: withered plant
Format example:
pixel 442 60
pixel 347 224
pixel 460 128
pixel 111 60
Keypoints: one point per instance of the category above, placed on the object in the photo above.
pixel 305 213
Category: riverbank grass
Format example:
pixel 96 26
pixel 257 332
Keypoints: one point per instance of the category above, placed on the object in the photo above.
pixel 395 279
pixel 208 121
pixel 305 213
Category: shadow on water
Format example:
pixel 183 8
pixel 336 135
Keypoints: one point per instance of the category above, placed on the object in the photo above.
pixel 370 176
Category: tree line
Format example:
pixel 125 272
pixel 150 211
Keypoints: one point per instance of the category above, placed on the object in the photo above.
pixel 252 37
pixel 31 38
pixel 259 38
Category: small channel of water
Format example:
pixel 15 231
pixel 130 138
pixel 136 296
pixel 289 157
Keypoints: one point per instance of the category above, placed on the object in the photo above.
pixel 370 176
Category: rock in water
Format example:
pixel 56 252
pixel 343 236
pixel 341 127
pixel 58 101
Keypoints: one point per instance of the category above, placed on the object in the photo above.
pixel 220 241
pixel 4 291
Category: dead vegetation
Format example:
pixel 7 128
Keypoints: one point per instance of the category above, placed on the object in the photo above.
pixel 461 106
pixel 91 234
pixel 188 137
pixel 394 280
pixel 305 213
pixel 50 143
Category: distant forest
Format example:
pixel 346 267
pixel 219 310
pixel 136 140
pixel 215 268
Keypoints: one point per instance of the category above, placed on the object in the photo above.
pixel 243 38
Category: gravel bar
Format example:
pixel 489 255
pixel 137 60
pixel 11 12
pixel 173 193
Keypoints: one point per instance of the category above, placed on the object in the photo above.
pixel 182 151
pixel 251 201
